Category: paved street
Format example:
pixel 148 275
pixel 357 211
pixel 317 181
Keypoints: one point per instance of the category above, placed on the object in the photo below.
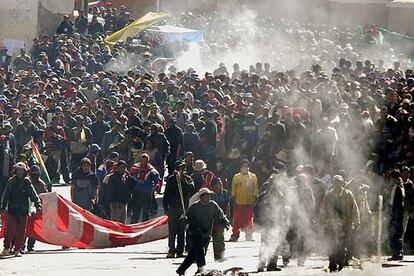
pixel 149 259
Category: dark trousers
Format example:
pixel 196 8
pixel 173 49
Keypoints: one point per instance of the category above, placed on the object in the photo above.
pixel 396 231
pixel 409 234
pixel 176 230
pixel 337 255
pixel 30 243
pixel 141 202
pixel 75 159
pixel 196 253
pixel 171 164
pixel 218 241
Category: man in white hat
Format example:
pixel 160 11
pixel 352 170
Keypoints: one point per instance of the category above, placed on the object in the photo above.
pixel 18 191
pixel 201 216
pixel 340 216
pixel 201 176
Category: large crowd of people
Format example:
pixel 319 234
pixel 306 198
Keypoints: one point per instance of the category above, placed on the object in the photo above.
pixel 316 128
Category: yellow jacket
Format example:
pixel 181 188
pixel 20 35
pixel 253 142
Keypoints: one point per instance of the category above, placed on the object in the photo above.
pixel 241 191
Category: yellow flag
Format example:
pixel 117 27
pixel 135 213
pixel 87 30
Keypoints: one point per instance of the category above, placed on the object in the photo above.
pixel 135 27
pixel 83 136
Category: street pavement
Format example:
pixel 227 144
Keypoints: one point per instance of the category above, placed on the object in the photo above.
pixel 149 260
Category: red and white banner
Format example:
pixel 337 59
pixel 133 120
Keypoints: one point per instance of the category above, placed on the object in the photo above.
pixel 64 223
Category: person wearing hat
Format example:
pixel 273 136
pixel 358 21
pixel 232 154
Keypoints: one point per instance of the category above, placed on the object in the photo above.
pixel 66 26
pixel 147 178
pixel 119 191
pixel 200 217
pixel 191 140
pixel 222 198
pixel 22 61
pixel 244 191
pixel 178 190
pixel 396 204
pixel 40 187
pixel 84 185
pixel 19 190
pixel 94 156
pixel 24 131
pixel 340 216
pixel 99 127
pixel 80 137
pixel 174 136
pixel 7 151
pixel 111 137
pixel 201 176
pixel 249 135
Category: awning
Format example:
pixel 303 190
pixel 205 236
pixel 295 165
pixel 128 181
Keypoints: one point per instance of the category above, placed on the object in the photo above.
pixel 174 33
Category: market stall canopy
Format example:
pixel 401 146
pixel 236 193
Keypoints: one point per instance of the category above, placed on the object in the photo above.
pixel 135 27
pixel 174 33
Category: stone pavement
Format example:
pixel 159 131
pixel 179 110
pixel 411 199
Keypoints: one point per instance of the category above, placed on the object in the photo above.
pixel 149 260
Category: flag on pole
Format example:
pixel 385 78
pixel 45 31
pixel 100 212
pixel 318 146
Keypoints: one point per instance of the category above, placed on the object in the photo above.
pixel 44 175
pixel 63 223
pixel 135 27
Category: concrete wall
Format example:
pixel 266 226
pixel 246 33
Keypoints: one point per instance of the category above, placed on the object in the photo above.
pixel 18 20
pixel 23 20
pixel 362 13
pixel 400 17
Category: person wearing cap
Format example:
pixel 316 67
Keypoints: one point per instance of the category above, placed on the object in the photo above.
pixel 178 190
pixel 147 178
pixel 22 61
pixel 111 138
pixel 99 128
pixel 24 131
pixel 249 135
pixel 174 136
pixel 84 186
pixel 396 206
pixel 200 217
pixel 55 134
pixel 181 117
pixel 201 176
pixel 340 216
pixel 244 191
pixel 191 140
pixel 7 151
pixel 80 137
pixel 40 187
pixel 94 156
pixel 222 197
pixel 66 26
pixel 119 186
pixel 19 190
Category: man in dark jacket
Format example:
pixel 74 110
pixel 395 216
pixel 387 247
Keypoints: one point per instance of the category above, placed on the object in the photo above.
pixel 66 26
pixel 81 23
pixel 119 192
pixel 175 137
pixel 178 190
pixel 201 216
pixel 396 207
pixel 15 198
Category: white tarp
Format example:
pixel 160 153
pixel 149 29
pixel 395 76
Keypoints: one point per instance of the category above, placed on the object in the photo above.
pixel 174 33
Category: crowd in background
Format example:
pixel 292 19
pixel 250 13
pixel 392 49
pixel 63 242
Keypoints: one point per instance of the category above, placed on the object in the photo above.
pixel 326 107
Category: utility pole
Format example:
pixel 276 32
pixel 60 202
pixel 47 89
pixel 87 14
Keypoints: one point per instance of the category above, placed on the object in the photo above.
pixel 85 4
pixel 158 3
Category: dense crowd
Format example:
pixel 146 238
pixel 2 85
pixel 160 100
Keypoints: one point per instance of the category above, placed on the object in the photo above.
pixel 317 132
